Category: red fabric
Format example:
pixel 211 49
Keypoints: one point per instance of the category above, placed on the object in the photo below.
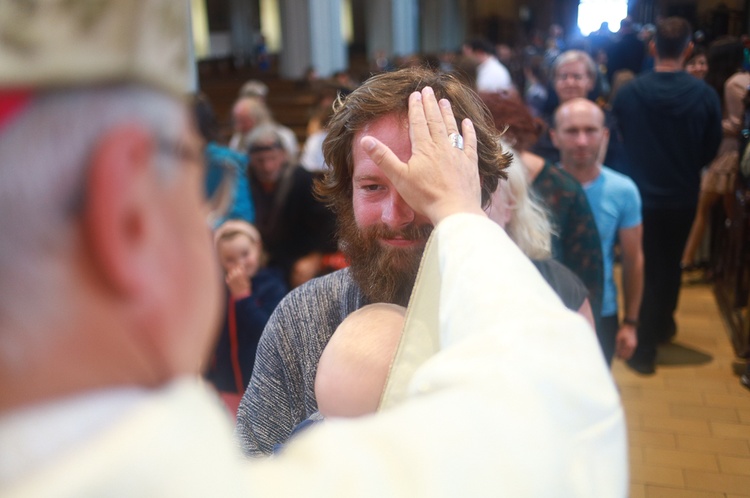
pixel 234 347
pixel 335 261
pixel 232 402
pixel 11 103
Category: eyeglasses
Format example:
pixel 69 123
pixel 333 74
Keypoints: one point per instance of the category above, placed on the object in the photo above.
pixel 573 76
pixel 220 177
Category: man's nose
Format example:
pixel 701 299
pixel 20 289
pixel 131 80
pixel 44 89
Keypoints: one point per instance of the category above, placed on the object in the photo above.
pixel 396 212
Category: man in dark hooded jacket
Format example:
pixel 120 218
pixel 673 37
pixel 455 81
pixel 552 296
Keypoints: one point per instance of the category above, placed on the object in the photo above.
pixel 671 128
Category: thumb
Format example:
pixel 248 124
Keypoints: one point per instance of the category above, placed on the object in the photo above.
pixel 384 158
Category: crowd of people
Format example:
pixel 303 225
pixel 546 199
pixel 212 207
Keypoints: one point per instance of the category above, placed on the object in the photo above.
pixel 611 135
pixel 642 68
pixel 383 318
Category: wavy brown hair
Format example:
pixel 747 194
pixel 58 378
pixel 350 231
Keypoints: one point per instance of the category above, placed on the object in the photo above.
pixel 386 94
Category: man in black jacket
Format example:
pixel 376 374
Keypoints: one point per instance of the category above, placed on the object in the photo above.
pixel 298 231
pixel 671 127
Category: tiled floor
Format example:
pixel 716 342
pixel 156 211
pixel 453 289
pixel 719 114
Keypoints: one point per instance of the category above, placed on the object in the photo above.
pixel 689 425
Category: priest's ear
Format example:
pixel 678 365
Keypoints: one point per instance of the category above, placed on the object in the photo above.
pixel 119 197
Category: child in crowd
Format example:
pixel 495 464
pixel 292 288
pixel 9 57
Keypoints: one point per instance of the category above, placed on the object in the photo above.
pixel 253 293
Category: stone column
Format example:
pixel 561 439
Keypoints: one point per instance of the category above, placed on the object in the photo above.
pixel 329 52
pixel 392 26
pixel 245 27
pixel 311 36
pixel 442 25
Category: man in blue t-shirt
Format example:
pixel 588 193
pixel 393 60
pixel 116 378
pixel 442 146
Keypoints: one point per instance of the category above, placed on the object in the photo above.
pixel 579 134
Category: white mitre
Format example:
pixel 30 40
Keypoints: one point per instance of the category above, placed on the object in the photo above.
pixel 59 43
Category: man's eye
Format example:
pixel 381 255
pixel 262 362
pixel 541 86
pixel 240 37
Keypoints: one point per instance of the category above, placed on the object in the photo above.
pixel 371 188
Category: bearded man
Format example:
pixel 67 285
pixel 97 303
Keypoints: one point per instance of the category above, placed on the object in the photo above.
pixel 381 235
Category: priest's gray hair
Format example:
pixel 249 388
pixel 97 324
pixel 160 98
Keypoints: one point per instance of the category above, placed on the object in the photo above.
pixel 44 155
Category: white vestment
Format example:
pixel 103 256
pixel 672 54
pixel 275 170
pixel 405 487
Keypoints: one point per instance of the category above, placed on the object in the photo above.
pixel 496 390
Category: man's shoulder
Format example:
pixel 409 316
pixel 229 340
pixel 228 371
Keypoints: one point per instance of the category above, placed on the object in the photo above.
pixel 301 184
pixel 638 85
pixel 618 183
pixel 495 62
pixel 738 80
pixel 492 66
pixel 617 178
pixel 300 174
pixel 333 288
pixel 319 304
pixel 621 192
pixel 287 132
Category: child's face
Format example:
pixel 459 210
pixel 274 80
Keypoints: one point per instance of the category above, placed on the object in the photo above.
pixel 697 66
pixel 239 251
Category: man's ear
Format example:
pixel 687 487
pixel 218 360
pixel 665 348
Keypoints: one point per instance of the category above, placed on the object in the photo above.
pixel 688 51
pixel 119 199
pixel 553 137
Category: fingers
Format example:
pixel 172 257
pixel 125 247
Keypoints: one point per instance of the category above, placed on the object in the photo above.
pixel 418 129
pixel 625 344
pixel 439 179
pixel 430 120
pixel 236 272
pixel 449 119
pixel 383 156
pixel 619 352
pixel 434 115
pixel 470 139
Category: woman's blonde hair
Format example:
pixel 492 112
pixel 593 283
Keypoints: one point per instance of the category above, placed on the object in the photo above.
pixel 529 226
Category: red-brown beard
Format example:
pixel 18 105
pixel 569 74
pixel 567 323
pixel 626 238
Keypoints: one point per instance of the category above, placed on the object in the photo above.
pixel 385 274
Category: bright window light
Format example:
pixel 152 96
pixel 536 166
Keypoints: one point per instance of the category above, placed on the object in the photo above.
pixel 592 13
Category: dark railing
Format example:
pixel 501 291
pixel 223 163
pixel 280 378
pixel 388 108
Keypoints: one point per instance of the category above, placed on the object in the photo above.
pixel 731 266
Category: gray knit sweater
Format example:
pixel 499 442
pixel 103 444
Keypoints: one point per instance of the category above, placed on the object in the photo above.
pixel 281 390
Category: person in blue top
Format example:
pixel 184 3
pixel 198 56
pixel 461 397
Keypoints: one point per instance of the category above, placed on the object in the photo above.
pixel 222 163
pixel 614 199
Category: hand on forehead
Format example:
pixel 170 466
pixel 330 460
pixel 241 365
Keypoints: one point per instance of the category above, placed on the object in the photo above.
pixel 439 178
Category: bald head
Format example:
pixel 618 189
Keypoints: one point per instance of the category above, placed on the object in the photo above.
pixel 580 135
pixel 576 107
pixel 354 365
